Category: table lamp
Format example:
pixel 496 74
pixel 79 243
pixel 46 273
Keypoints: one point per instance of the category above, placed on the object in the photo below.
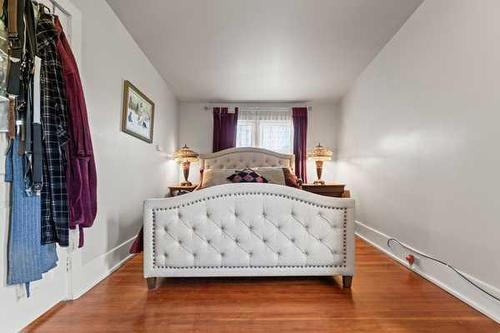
pixel 184 156
pixel 320 154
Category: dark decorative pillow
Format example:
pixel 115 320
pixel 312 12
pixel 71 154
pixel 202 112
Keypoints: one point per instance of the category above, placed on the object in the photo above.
pixel 247 176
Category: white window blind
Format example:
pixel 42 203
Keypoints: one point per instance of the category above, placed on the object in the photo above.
pixel 269 128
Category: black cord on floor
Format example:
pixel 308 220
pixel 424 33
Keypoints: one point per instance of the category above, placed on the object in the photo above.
pixel 394 240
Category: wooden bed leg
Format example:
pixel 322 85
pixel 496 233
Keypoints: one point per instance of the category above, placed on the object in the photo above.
pixel 151 283
pixel 346 281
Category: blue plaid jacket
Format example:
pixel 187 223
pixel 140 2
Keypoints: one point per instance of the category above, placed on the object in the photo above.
pixel 55 210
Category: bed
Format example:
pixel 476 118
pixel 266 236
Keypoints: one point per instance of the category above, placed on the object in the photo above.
pixel 248 229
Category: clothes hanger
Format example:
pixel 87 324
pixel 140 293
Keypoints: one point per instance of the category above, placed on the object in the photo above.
pixel 41 6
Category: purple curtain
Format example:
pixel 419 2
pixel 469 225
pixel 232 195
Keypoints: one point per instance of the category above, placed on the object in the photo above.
pixel 225 125
pixel 299 116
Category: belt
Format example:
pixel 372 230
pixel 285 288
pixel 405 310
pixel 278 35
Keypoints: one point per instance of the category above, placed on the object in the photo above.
pixel 15 19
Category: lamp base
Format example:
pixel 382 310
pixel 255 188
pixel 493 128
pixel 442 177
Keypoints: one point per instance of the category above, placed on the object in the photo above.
pixel 319 171
pixel 185 172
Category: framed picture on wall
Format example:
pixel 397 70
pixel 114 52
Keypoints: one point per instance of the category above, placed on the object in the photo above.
pixel 138 113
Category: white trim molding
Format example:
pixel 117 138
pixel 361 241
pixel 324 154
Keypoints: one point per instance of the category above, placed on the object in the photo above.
pixel 440 275
pixel 87 276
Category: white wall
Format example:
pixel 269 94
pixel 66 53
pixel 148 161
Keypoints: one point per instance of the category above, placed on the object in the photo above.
pixel 322 128
pixel 419 141
pixel 129 170
pixel 196 128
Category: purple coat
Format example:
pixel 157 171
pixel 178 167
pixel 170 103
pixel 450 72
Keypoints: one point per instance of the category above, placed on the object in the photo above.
pixel 81 176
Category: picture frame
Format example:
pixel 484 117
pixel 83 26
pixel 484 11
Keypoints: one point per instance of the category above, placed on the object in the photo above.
pixel 137 113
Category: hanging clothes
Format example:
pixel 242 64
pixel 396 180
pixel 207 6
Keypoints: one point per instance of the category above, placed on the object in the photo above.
pixel 81 176
pixel 29 108
pixel 27 257
pixel 7 114
pixel 4 57
pixel 55 209
pixel 15 27
pixel 50 162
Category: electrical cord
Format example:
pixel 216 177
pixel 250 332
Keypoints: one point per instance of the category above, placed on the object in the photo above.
pixel 394 240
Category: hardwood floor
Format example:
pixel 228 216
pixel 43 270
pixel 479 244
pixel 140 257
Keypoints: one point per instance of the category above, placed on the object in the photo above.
pixel 385 297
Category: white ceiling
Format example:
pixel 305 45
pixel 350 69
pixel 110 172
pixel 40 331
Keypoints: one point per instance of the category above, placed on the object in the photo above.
pixel 261 50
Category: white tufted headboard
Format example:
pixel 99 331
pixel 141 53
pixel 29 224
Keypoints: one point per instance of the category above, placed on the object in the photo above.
pixel 246 157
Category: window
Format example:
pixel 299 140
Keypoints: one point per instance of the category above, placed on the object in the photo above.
pixel 270 129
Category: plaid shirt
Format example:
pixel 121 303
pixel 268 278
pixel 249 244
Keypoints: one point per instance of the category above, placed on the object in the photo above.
pixel 55 210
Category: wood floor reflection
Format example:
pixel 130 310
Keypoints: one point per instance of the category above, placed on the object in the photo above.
pixel 385 297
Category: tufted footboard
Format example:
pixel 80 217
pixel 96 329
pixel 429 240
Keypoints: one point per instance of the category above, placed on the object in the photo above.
pixel 248 230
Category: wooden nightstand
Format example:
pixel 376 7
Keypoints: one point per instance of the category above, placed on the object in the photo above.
pixel 329 190
pixel 179 190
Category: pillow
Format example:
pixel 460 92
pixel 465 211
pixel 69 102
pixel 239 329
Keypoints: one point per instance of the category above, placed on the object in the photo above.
pixel 213 177
pixel 273 175
pixel 247 176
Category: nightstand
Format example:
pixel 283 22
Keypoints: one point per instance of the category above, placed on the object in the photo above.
pixel 179 189
pixel 328 190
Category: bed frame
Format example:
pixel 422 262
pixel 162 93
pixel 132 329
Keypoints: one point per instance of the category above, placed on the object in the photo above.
pixel 248 229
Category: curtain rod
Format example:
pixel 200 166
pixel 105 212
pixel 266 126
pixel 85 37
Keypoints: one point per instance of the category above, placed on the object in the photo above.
pixel 257 106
